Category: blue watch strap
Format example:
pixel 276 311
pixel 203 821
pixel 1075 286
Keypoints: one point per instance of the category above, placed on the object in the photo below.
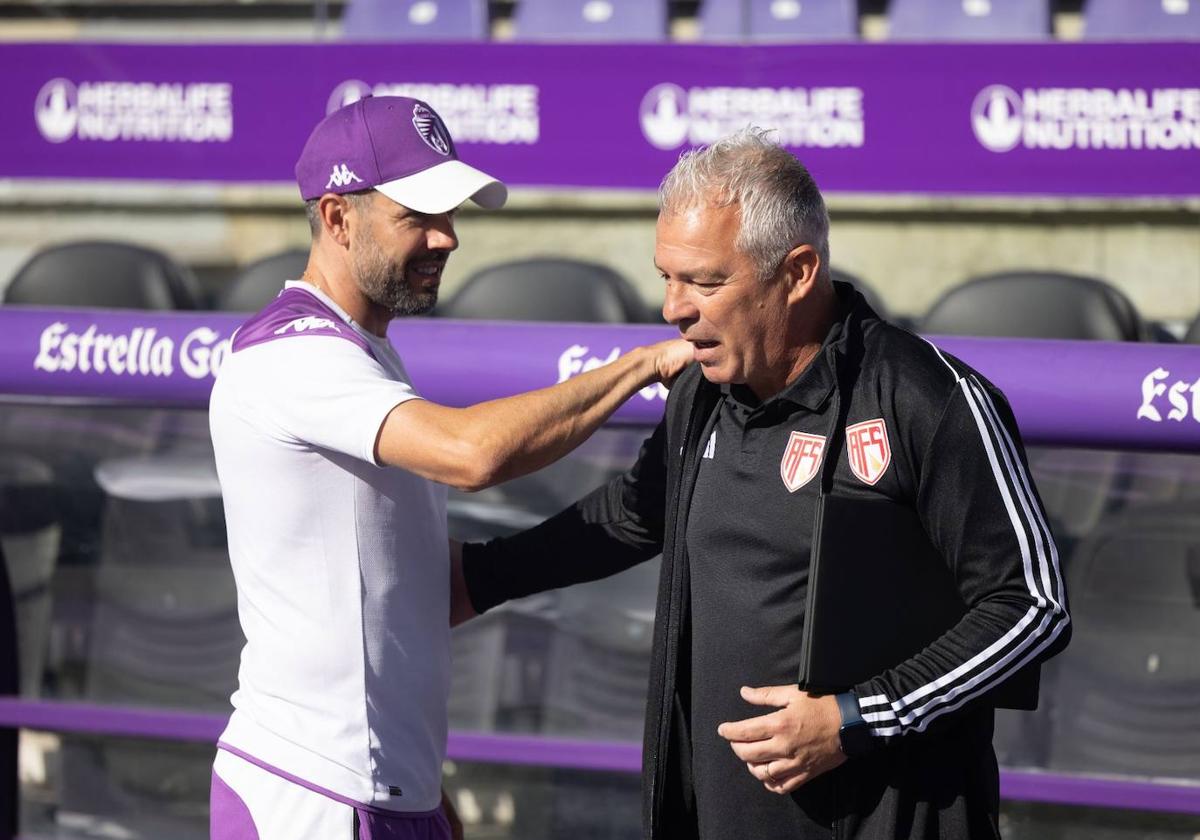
pixel 855 735
pixel 848 706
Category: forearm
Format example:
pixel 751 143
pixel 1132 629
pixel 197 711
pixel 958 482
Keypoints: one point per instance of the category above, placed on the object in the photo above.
pixel 990 644
pixel 491 442
pixel 526 432
pixel 978 505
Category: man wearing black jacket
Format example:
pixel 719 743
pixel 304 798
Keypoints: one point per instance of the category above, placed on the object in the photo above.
pixel 803 402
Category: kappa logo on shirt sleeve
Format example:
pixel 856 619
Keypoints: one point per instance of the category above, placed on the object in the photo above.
pixel 308 322
pixel 801 460
pixel 868 449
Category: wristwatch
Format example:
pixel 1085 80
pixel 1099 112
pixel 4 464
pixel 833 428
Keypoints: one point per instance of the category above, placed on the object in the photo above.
pixel 855 734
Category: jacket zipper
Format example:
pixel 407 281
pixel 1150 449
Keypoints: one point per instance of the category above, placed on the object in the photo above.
pixel 665 701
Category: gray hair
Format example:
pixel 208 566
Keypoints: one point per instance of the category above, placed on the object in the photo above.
pixel 357 199
pixel 780 204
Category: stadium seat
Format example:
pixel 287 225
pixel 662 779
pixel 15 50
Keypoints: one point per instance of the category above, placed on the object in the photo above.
pixel 600 656
pixel 30 536
pixel 1128 688
pixel 1158 331
pixel 115 275
pixel 872 297
pixel 165 626
pixel 969 20
pixel 1192 336
pixel 1114 20
pixel 1036 304
pixel 596 677
pixel 164 630
pixel 591 20
pixel 415 20
pixel 257 284
pixel 792 20
pixel 547 289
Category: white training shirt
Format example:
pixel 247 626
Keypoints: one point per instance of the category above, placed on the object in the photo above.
pixel 341 565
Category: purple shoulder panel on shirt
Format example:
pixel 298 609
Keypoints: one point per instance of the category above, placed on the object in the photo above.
pixel 295 312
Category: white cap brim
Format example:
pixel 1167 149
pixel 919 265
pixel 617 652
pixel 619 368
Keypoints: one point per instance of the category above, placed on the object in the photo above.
pixel 441 188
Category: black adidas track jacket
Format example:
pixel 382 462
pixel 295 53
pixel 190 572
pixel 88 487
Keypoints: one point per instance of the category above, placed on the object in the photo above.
pixel 958 462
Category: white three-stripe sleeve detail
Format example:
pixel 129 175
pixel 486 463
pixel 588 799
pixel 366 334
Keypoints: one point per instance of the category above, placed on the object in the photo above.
pixel 1054 592
pixel 977 399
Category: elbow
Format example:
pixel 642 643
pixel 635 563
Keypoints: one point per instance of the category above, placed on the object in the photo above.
pixel 470 482
pixel 1056 630
pixel 1062 635
pixel 478 467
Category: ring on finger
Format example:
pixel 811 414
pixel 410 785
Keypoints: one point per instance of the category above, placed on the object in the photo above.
pixel 771 775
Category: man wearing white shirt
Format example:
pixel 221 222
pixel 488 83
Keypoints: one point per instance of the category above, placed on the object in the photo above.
pixel 334 470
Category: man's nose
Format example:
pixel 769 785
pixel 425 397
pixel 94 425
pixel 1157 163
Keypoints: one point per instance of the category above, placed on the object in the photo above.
pixel 440 234
pixel 677 304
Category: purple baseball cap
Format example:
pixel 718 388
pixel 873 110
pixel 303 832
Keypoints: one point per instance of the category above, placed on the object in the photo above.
pixel 399 146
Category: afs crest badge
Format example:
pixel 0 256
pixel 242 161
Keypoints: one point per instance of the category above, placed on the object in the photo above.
pixel 801 460
pixel 868 449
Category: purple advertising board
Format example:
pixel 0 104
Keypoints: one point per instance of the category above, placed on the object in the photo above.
pixel 1036 119
pixel 1096 394
pixel 1168 796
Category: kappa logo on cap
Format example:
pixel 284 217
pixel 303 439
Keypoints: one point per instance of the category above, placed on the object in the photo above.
pixel 342 176
pixel 868 449
pixel 801 460
pixel 429 126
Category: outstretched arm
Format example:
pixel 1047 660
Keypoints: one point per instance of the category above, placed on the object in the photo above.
pixel 485 444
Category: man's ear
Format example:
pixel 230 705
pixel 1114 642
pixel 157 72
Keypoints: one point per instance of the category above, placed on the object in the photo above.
pixel 801 268
pixel 334 211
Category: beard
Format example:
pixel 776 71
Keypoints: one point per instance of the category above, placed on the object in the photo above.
pixel 383 282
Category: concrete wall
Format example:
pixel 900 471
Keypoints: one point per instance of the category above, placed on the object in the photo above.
pixel 910 249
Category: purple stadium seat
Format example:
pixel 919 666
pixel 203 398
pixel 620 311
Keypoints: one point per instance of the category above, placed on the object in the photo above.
pixel 792 20
pixel 415 20
pixel 591 20
pixel 1122 19
pixel 969 20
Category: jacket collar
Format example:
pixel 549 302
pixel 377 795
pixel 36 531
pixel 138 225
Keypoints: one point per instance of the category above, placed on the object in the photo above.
pixel 812 388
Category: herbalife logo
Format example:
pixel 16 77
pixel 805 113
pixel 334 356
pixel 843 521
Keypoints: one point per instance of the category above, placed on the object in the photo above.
pixel 501 114
pixel 107 111
pixel 1060 119
pixel 996 118
pixel 347 93
pixel 830 117
pixel 664 117
pixel 341 177
pixel 430 127
pixel 55 110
